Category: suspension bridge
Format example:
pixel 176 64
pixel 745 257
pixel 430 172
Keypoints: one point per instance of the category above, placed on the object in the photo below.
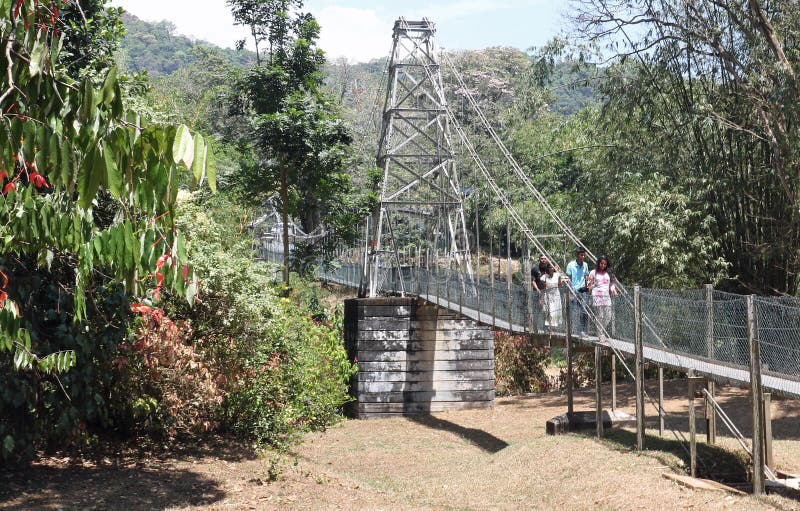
pixel 420 244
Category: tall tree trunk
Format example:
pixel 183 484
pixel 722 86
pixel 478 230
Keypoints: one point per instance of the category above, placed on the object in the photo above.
pixel 285 218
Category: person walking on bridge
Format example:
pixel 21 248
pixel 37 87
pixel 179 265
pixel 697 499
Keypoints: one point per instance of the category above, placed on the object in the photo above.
pixel 601 285
pixel 537 273
pixel 577 271
pixel 550 282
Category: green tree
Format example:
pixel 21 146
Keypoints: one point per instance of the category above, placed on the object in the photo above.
pixel 299 144
pixel 707 93
pixel 84 184
pixel 155 47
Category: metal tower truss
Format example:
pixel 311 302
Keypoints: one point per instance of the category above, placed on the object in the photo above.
pixel 422 204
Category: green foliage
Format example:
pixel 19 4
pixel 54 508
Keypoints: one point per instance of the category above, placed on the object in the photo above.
pixel 65 139
pixel 707 97
pixel 91 34
pixel 162 384
pixel 61 408
pixel 283 371
pixel 297 144
pixel 154 47
pixel 519 365
pixel 88 192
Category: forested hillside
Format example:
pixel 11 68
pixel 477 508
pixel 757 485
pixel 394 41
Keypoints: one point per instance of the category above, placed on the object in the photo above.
pixel 155 47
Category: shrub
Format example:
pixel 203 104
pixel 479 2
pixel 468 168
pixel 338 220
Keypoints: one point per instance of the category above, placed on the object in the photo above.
pixel 282 361
pixel 242 359
pixel 519 365
pixel 162 384
pixel 49 411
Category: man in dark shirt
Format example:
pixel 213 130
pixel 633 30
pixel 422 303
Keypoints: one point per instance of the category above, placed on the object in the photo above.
pixel 538 271
pixel 536 275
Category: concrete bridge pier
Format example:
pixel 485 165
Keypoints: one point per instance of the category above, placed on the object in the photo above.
pixel 415 358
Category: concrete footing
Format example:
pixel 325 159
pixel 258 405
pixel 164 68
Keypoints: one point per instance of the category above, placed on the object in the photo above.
pixel 588 421
pixel 416 358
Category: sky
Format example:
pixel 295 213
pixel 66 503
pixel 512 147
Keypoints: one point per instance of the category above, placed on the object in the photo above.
pixel 360 30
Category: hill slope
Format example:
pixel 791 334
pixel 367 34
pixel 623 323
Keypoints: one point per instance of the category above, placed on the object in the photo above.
pixel 155 47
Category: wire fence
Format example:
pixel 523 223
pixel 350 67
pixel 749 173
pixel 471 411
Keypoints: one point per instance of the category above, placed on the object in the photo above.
pixel 707 325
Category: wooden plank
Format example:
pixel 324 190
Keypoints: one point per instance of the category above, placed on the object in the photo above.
pixel 417 408
pixel 424 335
pixel 381 335
pixel 382 301
pixel 793 484
pixel 404 356
pixel 418 386
pixel 431 396
pixel 452 334
pixel 443 324
pixel 695 483
pixel 383 324
pixel 473 405
pixel 384 311
pixel 438 345
pixel 425 365
pixel 426 376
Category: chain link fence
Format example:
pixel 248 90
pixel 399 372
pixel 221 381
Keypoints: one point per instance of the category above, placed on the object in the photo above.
pixel 707 325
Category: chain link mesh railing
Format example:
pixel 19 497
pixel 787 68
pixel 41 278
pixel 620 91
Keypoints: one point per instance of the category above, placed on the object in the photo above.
pixel 707 327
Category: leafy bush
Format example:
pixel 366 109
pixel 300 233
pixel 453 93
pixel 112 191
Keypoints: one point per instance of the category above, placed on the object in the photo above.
pixel 282 370
pixel 40 410
pixel 162 385
pixel 519 365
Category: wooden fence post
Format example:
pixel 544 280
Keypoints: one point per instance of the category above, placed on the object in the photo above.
pixel 757 397
pixel 598 379
pixel 692 430
pixel 568 353
pixel 769 459
pixel 613 382
pixel 639 351
pixel 660 401
pixel 711 415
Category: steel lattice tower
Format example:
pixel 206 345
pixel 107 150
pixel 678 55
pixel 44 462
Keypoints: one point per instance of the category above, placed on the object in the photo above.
pixel 420 183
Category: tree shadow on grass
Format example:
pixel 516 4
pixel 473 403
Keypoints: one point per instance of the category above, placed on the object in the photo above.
pixel 73 487
pixel 139 479
pixel 713 462
pixel 478 437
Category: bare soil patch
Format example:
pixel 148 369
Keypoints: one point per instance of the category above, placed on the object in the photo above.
pixel 482 459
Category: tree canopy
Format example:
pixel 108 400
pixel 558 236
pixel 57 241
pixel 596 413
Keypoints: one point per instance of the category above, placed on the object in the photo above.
pixel 86 184
pixel 299 145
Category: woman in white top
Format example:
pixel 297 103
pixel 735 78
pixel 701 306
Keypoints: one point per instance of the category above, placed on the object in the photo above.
pixel 550 282
pixel 601 284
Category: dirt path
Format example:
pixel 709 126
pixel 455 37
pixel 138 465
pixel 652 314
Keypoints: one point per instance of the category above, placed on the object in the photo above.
pixel 496 459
